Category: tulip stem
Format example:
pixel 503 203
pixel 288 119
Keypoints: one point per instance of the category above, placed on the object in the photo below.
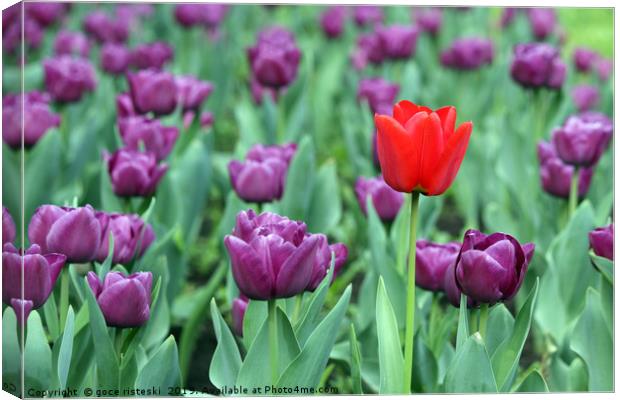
pixel 574 191
pixel 482 323
pixel 64 297
pixel 415 197
pixel 273 340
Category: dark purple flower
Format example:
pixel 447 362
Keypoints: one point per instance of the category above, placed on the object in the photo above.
pixel 542 21
pixel 44 12
pixel 259 91
pixel 134 173
pixel 115 58
pixel 209 15
pixel 324 258
pixel 451 289
pixel 398 41
pixel 258 180
pixel 8 227
pixel 68 78
pixel 132 237
pixel 239 305
pixel 124 301
pixel 74 232
pixel 38 118
pixel 192 92
pixel 584 59
pixel 377 92
pixel 332 21
pixel 556 176
pixel 432 261
pixel 468 53
pixel 106 28
pixel 602 241
pixel 585 97
pixel 367 15
pixel 151 55
pixel 581 140
pixel 153 91
pixel 124 106
pixel 155 138
pixel 491 268
pixel 260 152
pixel 71 43
pixel 271 256
pixel 429 20
pixel 274 58
pixel 40 272
pixel 12 34
pixel 538 65
pixel 387 201
pixel 370 49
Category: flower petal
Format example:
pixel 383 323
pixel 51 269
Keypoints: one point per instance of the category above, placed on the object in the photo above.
pixel 249 271
pixel 397 154
pixel 450 161
pixel 296 272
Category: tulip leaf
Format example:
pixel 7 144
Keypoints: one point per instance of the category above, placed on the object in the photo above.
pixel 356 362
pixel 104 267
pixel 299 181
pixel 325 205
pixel 604 266
pixel 506 357
pixel 533 382
pixel 307 368
pixel 593 342
pixel 41 171
pixel 50 315
pixel 462 332
pixel 66 349
pixel 567 378
pixel 470 370
pixel 162 368
pixel 391 364
pixel 226 360
pixel 11 357
pixel 253 319
pixel 424 378
pixel 310 319
pixel 499 327
pixel 37 356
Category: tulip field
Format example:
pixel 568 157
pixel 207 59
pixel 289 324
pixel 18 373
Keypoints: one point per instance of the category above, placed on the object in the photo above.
pixel 284 200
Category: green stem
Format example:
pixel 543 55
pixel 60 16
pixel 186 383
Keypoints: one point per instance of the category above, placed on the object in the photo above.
pixel 574 192
pixel 64 297
pixel 415 197
pixel 273 340
pixel 473 321
pixel 484 315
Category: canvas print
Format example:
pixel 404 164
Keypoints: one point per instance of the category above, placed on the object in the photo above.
pixel 208 199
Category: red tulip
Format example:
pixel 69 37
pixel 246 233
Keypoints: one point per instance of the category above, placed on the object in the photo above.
pixel 419 149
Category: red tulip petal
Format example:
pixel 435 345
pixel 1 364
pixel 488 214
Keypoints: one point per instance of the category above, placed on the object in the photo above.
pixel 450 161
pixel 431 148
pixel 448 120
pixel 396 154
pixel 404 110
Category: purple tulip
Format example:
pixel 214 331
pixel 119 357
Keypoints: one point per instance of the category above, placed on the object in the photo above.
pixel 323 260
pixel 153 91
pixel 45 13
pixel 271 256
pixel 398 41
pixel 206 119
pixel 451 289
pixel 67 78
pixel 260 152
pixel 134 173
pixel 508 16
pixel 491 268
pixel 259 91
pixel 387 201
pixel 377 92
pixel 368 49
pixel 115 58
pixel 151 55
pixel 332 21
pixel 124 106
pixel 105 28
pixel 156 138
pixel 602 241
pixel 258 181
pixel 584 59
pixel 468 53
pixel 71 43
pixel 8 227
pixel 209 15
pixel 581 140
pixel 429 20
pixel 585 97
pixel 367 15
pixel 192 92
pixel 604 67
pixel 556 176
pixel 538 65
pixel 38 118
pixel 542 21
pixel 274 58
pixel 132 237
pixel 74 232
pixel 432 261
pixel 40 272
pixel 124 301
pixel 12 34
pixel 239 306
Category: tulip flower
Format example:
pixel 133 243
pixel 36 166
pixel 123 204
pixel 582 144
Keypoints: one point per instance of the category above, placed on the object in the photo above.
pixel 274 59
pixel 206 119
pixel 192 92
pixel 542 21
pixel 398 41
pixel 538 65
pixel 124 106
pixel 209 15
pixel 556 176
pixel 604 67
pixel 491 268
pixel 419 149
pixel 40 272
pixel 260 152
pixel 8 227
pixel 151 55
pixel 71 43
pixel 468 54
pixel 386 201
pixel 105 28
pixel 323 260
pixel 74 232
pixel 45 13
pixel 584 59
pixel 132 237
pixel 581 140
pixel 378 92
pixel 429 20
pixel 149 134
pixel 370 49
pixel 67 78
pixel 115 58
pixel 259 91
pixel 152 91
pixel 451 289
pixel 134 173
pixel 38 118
pixel 602 241
pixel 585 97
pixel 12 34
pixel 239 305
pixel 124 301
pixel 332 21
pixel 367 15
pixel 271 256
pixel 432 262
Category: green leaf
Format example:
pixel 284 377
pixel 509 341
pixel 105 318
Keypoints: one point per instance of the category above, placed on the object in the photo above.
pixel 391 362
pixel 226 360
pixel 325 205
pixel 162 369
pixel 50 314
pixel 506 357
pixel 425 377
pixel 41 170
pixel 253 319
pixel 109 200
pixel 66 349
pixel 104 268
pixel 309 319
pixel 37 356
pixel 299 182
pixel 356 362
pixel 604 266
pixel 11 357
pixel 567 378
pixel 470 370
pixel 499 327
pixel 533 383
pixel 462 332
pixel 307 368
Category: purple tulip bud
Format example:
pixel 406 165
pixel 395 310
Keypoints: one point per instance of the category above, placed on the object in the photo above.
pixel 260 152
pixel 604 67
pixel 124 106
pixel 38 118
pixel 429 20
pixel 115 58
pixel 67 78
pixel 584 59
pixel 602 241
pixel 12 35
pixel 140 131
pixel 581 141
pixel 542 21
pixel 45 13
pixel 538 65
pixel 370 48
pixel 124 301
pixel 556 176
pixel 323 260
pixel 258 181
pixel 153 91
pixel 134 173
pixel 74 232
pixel 275 57
pixel 387 201
pixel 271 256
pixel 377 92
pixel 585 97
pixel 398 41
pixel 332 21
pixel 432 261
pixel 132 237
pixel 71 43
pixel 491 268
pixel 468 54
pixel 367 15
pixel 192 92
pixel 240 304
pixel 105 28
pixel 8 227
pixel 151 55
pixel 40 271
pixel 189 14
